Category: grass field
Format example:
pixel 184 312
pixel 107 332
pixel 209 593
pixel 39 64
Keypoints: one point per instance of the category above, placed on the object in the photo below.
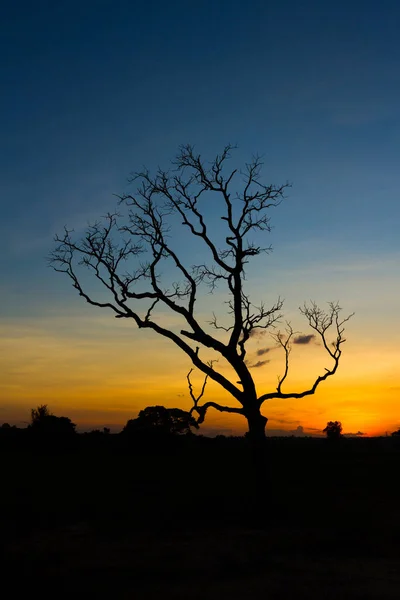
pixel 188 521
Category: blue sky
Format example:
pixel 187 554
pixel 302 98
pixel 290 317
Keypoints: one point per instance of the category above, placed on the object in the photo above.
pixel 94 90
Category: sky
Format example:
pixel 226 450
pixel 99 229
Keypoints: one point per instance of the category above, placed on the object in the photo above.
pixel 93 90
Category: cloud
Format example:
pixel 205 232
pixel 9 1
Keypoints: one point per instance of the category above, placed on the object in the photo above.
pixel 259 363
pixel 298 431
pixel 304 339
pixel 285 421
pixel 256 333
pixel 294 428
pixel 262 351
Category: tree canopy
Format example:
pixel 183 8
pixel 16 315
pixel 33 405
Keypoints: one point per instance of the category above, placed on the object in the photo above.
pixel 160 420
pixel 333 430
pixel 45 423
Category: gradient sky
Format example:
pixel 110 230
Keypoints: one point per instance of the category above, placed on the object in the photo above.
pixel 92 90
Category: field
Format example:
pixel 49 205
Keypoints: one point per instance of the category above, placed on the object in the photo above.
pixel 188 520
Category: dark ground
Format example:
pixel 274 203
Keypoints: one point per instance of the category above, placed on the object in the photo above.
pixel 186 522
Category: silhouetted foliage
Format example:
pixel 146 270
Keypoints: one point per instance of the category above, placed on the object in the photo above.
pixel 10 435
pixel 100 433
pixel 161 421
pixel 396 433
pixel 39 414
pixel 97 439
pixel 47 429
pixel 8 427
pixel 333 430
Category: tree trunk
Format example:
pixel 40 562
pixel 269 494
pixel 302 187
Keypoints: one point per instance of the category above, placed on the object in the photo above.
pixel 257 423
pixel 257 440
pixel 258 469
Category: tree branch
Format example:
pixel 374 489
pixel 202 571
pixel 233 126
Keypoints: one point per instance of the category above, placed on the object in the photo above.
pixel 202 410
pixel 320 321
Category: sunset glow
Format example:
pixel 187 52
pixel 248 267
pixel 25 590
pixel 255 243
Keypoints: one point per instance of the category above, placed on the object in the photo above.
pixel 88 103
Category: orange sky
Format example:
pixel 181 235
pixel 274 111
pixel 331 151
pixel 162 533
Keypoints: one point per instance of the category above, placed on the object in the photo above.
pixel 101 371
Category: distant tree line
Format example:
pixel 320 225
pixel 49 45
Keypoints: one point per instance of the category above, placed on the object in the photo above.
pixel 154 427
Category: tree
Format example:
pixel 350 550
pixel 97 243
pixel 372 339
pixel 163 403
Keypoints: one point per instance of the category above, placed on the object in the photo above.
pixel 179 202
pixel 39 414
pixel 43 422
pixel 333 430
pixel 396 433
pixel 161 421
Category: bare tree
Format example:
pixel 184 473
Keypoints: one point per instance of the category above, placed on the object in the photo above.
pixel 183 197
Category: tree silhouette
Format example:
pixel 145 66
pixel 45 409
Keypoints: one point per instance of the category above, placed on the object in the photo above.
pixel 43 422
pixel 126 252
pixel 396 433
pixel 39 414
pixel 161 421
pixel 333 430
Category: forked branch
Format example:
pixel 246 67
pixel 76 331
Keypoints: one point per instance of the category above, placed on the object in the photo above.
pixel 202 410
pixel 285 341
pixel 321 322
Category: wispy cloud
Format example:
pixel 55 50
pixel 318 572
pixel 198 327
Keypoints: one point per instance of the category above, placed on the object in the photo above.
pixel 257 333
pixel 304 339
pixel 259 363
pixel 262 351
pixel 298 431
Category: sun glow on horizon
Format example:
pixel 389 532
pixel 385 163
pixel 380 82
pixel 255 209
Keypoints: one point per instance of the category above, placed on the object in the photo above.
pixel 108 378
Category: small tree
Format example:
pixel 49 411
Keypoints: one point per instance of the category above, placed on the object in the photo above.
pixel 230 222
pixel 396 433
pixel 43 422
pixel 333 430
pixel 161 421
pixel 39 415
